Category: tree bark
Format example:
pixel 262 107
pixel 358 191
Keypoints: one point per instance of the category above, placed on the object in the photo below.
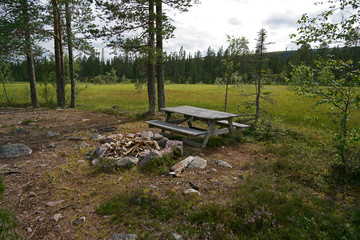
pixel 29 57
pixel 160 56
pixel 59 55
pixel 151 60
pixel 71 55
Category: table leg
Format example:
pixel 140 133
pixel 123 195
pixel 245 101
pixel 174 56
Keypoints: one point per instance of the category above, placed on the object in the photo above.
pixel 168 115
pixel 210 132
pixel 231 129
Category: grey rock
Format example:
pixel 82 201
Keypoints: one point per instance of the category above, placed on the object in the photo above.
pixel 191 191
pixel 127 161
pixel 123 236
pixel 143 154
pixel 150 157
pixel 19 130
pixel 95 162
pixel 29 230
pixel 80 220
pixel 213 170
pixel 162 142
pixel 158 137
pixel 168 151
pixel 147 135
pixel 175 236
pixel 197 162
pixel 52 134
pixel 223 163
pixel 14 150
pixel 130 135
pixel 97 137
pixel 102 149
pixel 51 145
pixel 138 134
pixel 178 145
pixel 54 203
pixel 56 217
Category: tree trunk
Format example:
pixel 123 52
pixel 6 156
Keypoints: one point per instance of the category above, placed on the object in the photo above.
pixel 258 88
pixel 226 92
pixel 59 56
pixel 29 57
pixel 71 55
pixel 151 60
pixel 160 56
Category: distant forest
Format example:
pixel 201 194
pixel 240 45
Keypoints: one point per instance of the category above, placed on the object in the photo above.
pixel 182 67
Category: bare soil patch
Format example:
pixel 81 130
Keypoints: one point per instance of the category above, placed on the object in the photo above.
pixel 56 170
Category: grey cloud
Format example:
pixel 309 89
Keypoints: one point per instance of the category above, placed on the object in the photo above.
pixel 281 20
pixel 234 21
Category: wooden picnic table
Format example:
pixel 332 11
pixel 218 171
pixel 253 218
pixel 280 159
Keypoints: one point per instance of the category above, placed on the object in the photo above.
pixel 191 114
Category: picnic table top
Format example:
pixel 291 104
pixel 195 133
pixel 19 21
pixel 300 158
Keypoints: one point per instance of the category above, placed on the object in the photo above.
pixel 201 113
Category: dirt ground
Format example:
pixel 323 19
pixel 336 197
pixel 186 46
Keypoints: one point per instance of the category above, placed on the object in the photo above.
pixel 57 170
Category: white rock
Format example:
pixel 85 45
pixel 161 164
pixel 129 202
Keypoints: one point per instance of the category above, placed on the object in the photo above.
pixel 56 217
pixel 197 162
pixel 191 191
pixel 223 163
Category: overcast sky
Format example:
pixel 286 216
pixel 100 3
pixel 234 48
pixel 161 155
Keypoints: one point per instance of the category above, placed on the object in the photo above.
pixel 208 23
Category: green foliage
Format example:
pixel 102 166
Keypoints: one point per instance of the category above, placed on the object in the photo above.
pixel 160 166
pixel 336 83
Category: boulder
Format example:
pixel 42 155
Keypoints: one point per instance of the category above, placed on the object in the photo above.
pixel 223 164
pixel 126 162
pixel 197 162
pixel 14 150
pixel 150 157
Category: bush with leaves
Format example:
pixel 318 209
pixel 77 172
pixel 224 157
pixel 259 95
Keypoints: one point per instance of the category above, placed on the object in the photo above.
pixel 336 83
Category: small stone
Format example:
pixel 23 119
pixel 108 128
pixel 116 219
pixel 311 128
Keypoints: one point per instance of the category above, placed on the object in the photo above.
pixel 191 191
pixel 95 162
pixel 31 194
pixel 56 217
pixel 80 220
pixel 197 162
pixel 147 135
pixel 81 161
pixel 51 145
pixel 130 135
pixel 213 170
pixel 223 163
pixel 83 145
pixel 175 236
pixel 41 219
pixel 124 236
pixel 41 166
pixel 29 230
pixel 19 130
pixel 52 134
pixel 127 161
pixel 52 204
pixel 138 134
pixel 97 137
pixel 143 154
pixel 85 120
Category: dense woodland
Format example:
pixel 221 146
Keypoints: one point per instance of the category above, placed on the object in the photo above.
pixel 182 67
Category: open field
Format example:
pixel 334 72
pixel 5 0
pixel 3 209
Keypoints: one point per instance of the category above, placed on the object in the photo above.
pixel 282 184
pixel 285 105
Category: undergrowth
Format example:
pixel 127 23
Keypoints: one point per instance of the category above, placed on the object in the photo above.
pixel 7 220
pixel 289 195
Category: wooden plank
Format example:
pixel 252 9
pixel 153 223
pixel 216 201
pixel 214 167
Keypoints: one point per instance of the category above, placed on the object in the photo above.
pixel 175 128
pixel 235 124
pixel 200 113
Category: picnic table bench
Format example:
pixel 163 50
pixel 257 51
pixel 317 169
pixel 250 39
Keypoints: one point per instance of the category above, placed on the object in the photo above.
pixel 191 114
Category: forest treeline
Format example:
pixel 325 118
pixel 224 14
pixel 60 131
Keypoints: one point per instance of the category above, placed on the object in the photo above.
pixel 183 67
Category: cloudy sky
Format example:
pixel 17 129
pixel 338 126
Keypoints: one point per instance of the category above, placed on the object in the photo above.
pixel 208 23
